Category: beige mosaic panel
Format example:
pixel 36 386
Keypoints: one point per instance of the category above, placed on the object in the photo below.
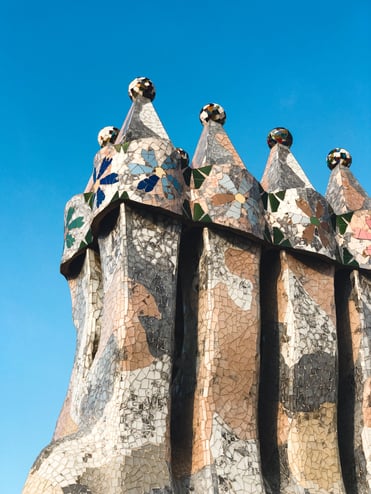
pixel 307 430
pixel 225 443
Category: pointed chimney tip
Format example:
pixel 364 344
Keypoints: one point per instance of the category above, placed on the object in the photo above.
pixel 279 135
pixel 338 156
pixel 142 86
pixel 107 135
pixel 214 112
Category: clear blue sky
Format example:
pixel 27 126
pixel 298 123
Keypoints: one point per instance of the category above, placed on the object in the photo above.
pixel 65 71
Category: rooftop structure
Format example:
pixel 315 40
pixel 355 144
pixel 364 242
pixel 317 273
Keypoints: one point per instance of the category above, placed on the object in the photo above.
pixel 223 325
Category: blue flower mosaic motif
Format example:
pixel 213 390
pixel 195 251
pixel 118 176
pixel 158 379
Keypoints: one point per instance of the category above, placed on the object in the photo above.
pixel 236 199
pixel 169 183
pixel 103 178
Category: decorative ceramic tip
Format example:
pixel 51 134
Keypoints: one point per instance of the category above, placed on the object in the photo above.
pixel 338 156
pixel 213 112
pixel 279 135
pixel 107 135
pixel 181 157
pixel 142 86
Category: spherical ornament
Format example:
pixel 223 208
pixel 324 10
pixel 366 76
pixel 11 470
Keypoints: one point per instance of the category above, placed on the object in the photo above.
pixel 107 134
pixel 213 112
pixel 181 157
pixel 338 156
pixel 279 135
pixel 142 86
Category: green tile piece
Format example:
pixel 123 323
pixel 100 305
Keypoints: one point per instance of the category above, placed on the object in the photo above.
pixel 123 146
pixel 200 215
pixel 89 237
pixel 115 197
pixel 76 223
pixel 69 240
pixel 206 219
pixel 274 202
pixel 278 236
pixel 343 221
pixel 348 259
pixel 315 221
pixel 199 175
pixel 70 212
pixel 286 243
pixel 89 198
